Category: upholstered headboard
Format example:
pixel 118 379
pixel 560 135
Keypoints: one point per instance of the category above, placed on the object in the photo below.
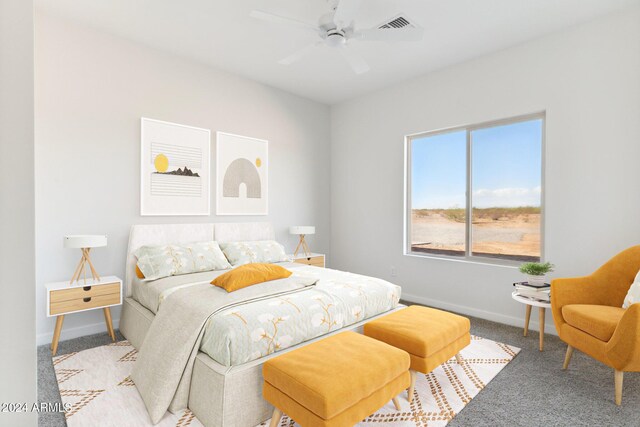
pixel 163 234
pixel 243 231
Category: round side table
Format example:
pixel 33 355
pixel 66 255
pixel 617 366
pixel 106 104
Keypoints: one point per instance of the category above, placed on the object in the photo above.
pixel 542 306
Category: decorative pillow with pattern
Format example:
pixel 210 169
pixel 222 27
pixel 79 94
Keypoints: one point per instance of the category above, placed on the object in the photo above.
pixel 239 253
pixel 633 296
pixel 158 261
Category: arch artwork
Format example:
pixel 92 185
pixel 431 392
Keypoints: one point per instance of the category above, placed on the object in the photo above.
pixel 241 171
pixel 242 168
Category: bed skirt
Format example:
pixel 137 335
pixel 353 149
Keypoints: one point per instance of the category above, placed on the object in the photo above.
pixel 220 396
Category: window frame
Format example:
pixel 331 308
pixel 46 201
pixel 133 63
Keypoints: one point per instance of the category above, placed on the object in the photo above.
pixel 469 129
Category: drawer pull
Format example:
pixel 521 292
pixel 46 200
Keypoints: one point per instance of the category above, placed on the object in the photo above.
pixel 88 299
pixel 86 288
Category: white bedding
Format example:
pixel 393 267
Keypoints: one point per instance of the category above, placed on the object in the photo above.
pixel 249 331
pixel 151 293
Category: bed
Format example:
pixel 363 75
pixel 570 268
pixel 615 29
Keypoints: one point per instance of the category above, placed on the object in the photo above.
pixel 226 380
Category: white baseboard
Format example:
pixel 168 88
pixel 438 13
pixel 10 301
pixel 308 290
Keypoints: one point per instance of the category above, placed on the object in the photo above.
pixel 77 332
pixel 549 328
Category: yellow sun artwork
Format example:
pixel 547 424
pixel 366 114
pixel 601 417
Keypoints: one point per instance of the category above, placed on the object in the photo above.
pixel 258 162
pixel 161 163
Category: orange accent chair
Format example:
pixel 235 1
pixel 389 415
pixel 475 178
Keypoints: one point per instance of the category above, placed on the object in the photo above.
pixel 588 315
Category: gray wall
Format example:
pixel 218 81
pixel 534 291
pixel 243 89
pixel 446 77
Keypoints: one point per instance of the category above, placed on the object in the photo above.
pixel 17 227
pixel 92 89
pixel 587 80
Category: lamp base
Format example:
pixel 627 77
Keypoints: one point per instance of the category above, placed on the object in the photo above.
pixel 302 244
pixel 82 268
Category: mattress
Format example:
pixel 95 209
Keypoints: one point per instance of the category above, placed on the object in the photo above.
pixel 246 332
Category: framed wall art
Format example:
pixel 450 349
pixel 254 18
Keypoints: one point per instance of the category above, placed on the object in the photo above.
pixel 242 167
pixel 175 169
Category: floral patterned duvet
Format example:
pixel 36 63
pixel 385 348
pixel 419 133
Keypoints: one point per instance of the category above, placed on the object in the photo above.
pixel 247 332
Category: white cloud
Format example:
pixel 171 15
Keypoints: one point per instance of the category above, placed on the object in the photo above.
pixel 506 197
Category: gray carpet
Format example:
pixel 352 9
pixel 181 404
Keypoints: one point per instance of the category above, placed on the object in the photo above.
pixel 532 390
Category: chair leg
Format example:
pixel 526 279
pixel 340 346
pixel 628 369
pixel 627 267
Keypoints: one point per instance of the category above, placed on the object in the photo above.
pixel 567 357
pixel 412 385
pixel 619 376
pixel 276 417
pixel 396 403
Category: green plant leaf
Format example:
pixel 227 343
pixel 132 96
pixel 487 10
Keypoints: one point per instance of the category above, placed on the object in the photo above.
pixel 536 268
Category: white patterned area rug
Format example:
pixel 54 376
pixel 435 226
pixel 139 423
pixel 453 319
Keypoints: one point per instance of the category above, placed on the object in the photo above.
pixel 95 384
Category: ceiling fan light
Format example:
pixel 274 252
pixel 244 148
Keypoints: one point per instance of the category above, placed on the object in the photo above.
pixel 335 38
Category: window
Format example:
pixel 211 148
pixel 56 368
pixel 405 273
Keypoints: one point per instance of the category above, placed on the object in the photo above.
pixel 476 191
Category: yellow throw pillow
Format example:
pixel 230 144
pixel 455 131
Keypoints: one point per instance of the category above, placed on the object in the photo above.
pixel 139 272
pixel 250 274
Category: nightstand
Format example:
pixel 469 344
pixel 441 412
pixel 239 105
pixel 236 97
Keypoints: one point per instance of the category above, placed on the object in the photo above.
pixel 63 299
pixel 312 259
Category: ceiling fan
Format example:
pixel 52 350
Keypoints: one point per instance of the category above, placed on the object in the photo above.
pixel 336 29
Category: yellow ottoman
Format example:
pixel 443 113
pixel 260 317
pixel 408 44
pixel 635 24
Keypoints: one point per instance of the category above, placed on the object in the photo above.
pixel 430 336
pixel 337 381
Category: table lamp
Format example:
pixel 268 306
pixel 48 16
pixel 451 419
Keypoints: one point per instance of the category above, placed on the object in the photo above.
pixel 302 230
pixel 85 242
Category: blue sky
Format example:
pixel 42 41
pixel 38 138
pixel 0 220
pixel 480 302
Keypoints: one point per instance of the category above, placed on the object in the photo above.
pixel 506 167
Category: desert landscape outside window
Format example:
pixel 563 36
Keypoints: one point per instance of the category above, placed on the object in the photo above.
pixel 476 191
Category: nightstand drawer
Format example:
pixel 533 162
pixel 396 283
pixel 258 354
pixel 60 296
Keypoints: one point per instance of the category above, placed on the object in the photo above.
pixel 93 294
pixel 317 261
pixel 85 303
pixel 59 295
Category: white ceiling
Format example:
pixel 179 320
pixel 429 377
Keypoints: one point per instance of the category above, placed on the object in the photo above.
pixel 221 33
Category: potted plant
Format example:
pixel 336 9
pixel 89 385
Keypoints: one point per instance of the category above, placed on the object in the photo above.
pixel 536 271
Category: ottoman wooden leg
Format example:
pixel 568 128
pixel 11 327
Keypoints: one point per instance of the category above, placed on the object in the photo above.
pixel 396 403
pixel 276 417
pixel 458 358
pixel 412 385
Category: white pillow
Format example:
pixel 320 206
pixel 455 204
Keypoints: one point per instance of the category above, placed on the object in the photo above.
pixel 239 253
pixel 633 296
pixel 158 261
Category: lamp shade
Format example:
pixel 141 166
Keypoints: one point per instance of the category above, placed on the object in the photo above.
pixel 85 241
pixel 302 229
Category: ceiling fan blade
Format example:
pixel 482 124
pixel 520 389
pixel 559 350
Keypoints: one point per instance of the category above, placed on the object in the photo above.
pixel 390 34
pixel 346 12
pixel 299 54
pixel 277 19
pixel 356 62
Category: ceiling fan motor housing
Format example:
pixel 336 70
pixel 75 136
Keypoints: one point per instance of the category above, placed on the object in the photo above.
pixel 335 38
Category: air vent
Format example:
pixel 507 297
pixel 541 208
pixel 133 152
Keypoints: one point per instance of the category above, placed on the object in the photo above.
pixel 399 21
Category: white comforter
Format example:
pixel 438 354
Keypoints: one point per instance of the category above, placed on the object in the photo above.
pixel 250 331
